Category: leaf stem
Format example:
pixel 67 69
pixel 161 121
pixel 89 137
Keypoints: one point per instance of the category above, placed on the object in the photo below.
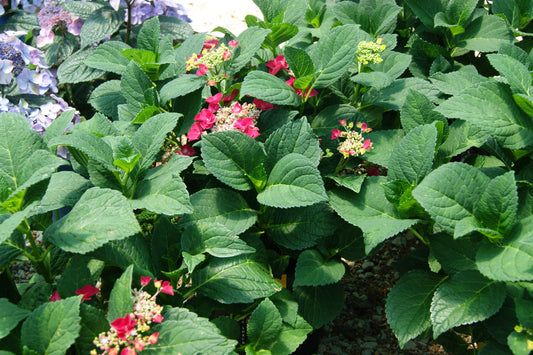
pixel 419 236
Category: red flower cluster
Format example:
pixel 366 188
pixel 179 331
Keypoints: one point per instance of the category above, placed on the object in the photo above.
pixel 278 63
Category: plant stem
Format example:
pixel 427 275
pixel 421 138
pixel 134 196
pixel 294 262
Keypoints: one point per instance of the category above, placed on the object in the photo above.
pixel 128 24
pixel 37 257
pixel 419 236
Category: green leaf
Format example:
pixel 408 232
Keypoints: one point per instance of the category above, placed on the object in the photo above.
pixel 75 276
pixel 426 10
pixel 232 157
pixel 281 32
pixel 269 88
pixel 328 118
pixel 61 48
pixel 412 159
pixel 319 305
pixel 525 103
pixel 81 9
pixel 456 81
pixel 73 70
pixel 234 280
pixel 8 226
pixel 106 98
pixel 299 61
pixel 93 322
pixel 485 34
pixel 418 110
pixel 95 147
pixel 100 216
pixel 175 27
pixel 395 95
pixel 11 316
pixel 294 182
pixel 291 336
pixel 454 255
pixel 99 25
pixel 264 325
pixel 462 136
pixel 181 86
pixel 148 38
pixel 371 211
pixel 120 299
pixel 134 84
pixel 162 191
pixel 249 43
pixel 312 269
pixel 384 18
pixel 516 73
pixel 151 135
pixel 512 258
pixel 301 227
pixel 446 202
pixel 518 343
pixel 465 298
pixel 13 247
pixel 53 327
pixel 59 125
pixel 222 206
pixel 293 137
pixel 497 207
pixel 334 52
pixel 183 332
pixel 408 304
pixel 386 140
pixel 108 57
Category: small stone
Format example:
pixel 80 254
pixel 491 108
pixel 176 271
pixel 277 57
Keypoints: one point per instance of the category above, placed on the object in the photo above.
pixel 367 265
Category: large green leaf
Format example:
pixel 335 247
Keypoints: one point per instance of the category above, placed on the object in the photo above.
pixel 291 336
pixel 264 326
pixel 294 182
pixel 408 304
pixel 450 193
pixel 249 43
pixel 162 191
pixel 313 269
pixel 454 255
pixel 386 140
pixel 456 81
pixel 294 137
pixel 232 157
pixel 234 280
pixel 106 98
pixel 394 96
pixel 300 228
pixel 465 298
pixel 426 10
pixel 462 136
pixel 516 73
pixel 181 86
pixel 419 110
pixel 11 316
pixel 93 322
pixel 371 211
pixel 8 226
pixel 319 305
pixel 222 206
pixel 134 83
pixel 59 125
pixel 333 53
pixel 99 25
pixel 269 88
pixel 329 117
pixel 74 276
pixel 149 138
pixel 100 216
pixel 120 299
pixel 490 106
pixel 53 327
pixel 299 61
pixel 485 34
pixel 73 70
pixel 512 258
pixel 183 332
pixel 148 37
pixel 412 159
pixel 108 57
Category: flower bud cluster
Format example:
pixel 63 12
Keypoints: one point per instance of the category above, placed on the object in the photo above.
pixel 369 52
pixel 211 59
pixel 354 143
pixel 127 335
pixel 53 15
pixel 232 117
pixel 26 64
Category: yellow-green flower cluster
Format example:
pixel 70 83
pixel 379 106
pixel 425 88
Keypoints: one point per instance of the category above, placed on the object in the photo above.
pixel 369 52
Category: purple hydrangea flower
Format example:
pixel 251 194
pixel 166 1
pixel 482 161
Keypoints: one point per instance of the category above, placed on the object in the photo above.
pixel 171 8
pixel 6 71
pixel 53 15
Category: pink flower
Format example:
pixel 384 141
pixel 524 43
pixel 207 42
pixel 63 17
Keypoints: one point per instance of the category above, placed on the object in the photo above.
pixel 363 127
pixel 124 326
pixel 233 43
pixel 210 44
pixel 139 346
pixel 299 91
pixel 157 319
pixel 186 150
pixel 214 102
pixel 194 133
pixel 226 55
pixel 128 351
pixel 87 291
pixel 236 108
pixel 276 64
pixel 153 338
pixel 343 122
pixel 246 125
pixel 263 105
pixel 55 297
pixel 367 144
pixel 229 98
pixel 113 351
pixel 166 287
pixel 206 118
pixel 145 280
pixel 335 133
pixel 202 70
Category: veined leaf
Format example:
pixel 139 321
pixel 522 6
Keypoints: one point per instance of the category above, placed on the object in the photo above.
pixel 419 110
pixel 454 255
pixel 269 88
pixel 371 211
pixel 319 305
pixel 11 316
pixel 101 215
pixel 148 38
pixel 516 73
pixel 408 304
pixel 64 189
pixel 120 300
pixel 386 140
pixel 95 147
pixel 181 86
pixel 53 327
pixel 264 325
pixel 291 336
pixel 234 280
pixel 293 182
pixel 512 259
pixel 393 96
pixel 249 43
pixel 99 25
pixel 485 34
pixel 108 57
pixel 73 70
pixel 312 269
pixel 221 206
pixel 465 298
pixel 134 83
pixel 299 61
pixel 462 136
pixel 232 157
pixel 106 98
